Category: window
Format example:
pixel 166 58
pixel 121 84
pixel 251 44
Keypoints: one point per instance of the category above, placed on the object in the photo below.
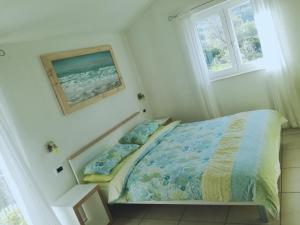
pixel 9 211
pixel 228 39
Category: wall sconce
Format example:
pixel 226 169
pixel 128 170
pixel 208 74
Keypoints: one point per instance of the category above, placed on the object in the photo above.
pixel 2 52
pixel 52 147
pixel 140 96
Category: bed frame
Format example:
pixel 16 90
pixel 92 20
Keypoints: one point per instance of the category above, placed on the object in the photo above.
pixel 110 137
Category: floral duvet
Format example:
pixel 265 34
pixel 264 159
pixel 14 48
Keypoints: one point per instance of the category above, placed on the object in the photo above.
pixel 229 159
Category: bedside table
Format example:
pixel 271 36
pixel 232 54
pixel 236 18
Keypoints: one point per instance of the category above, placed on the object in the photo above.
pixel 82 205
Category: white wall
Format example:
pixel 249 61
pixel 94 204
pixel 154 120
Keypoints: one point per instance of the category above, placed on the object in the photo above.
pixel 167 78
pixel 290 16
pixel 38 116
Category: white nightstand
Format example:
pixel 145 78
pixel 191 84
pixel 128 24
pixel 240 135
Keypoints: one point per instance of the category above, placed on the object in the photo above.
pixel 68 208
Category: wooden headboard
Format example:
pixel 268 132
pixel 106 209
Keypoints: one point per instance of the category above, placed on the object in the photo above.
pixel 109 138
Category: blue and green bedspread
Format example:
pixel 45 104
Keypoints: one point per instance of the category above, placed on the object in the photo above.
pixel 229 159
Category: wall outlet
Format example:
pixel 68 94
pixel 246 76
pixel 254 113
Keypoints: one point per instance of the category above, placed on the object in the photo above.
pixel 59 170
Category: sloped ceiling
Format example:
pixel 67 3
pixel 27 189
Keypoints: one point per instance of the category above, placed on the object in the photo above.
pixel 22 20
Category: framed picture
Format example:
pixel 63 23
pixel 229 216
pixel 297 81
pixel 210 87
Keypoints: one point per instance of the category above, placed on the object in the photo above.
pixel 82 77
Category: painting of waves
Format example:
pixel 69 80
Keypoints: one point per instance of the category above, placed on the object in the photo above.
pixel 86 76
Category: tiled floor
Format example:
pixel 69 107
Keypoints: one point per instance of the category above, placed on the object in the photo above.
pixel 225 215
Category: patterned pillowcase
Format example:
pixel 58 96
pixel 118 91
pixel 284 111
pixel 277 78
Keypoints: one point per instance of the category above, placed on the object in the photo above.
pixel 140 134
pixel 163 121
pixel 105 162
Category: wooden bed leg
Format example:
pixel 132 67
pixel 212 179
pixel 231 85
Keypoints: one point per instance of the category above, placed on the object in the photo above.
pixel 263 214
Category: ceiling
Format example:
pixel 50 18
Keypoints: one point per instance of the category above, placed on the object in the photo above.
pixel 30 19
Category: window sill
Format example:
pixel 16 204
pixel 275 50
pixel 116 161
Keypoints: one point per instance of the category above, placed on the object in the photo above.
pixel 244 72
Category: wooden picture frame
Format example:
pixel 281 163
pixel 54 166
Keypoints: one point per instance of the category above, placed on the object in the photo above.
pixel 84 76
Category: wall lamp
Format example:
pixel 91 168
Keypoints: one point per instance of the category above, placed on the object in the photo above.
pixel 140 96
pixel 52 147
pixel 2 52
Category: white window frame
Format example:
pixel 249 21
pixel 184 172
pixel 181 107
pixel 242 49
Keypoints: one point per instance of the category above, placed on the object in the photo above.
pixel 238 67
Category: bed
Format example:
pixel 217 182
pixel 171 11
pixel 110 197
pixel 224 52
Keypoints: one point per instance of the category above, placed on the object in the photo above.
pixel 232 160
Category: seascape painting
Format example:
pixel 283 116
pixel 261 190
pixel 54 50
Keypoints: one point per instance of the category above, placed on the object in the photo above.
pixel 85 76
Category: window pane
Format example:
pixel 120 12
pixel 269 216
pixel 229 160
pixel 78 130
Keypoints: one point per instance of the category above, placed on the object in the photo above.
pixel 214 44
pixel 9 212
pixel 246 33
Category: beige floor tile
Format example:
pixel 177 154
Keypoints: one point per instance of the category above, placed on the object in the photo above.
pixel 290 142
pixel 290 214
pixel 247 215
pixel 279 184
pixel 158 222
pixel 291 180
pixel 126 221
pixel 129 211
pixel 166 212
pixel 280 156
pixel 205 213
pixel 275 223
pixel 290 131
pixel 235 224
pixel 272 223
pixel 291 158
pixel 243 214
pixel 198 223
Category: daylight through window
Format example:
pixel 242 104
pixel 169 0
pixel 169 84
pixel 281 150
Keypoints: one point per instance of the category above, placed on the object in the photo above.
pixel 9 211
pixel 228 39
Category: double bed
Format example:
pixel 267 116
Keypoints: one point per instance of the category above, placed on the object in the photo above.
pixel 232 160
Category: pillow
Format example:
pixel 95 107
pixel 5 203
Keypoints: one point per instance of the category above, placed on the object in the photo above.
pixel 140 134
pixel 105 162
pixel 98 178
pixel 163 121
